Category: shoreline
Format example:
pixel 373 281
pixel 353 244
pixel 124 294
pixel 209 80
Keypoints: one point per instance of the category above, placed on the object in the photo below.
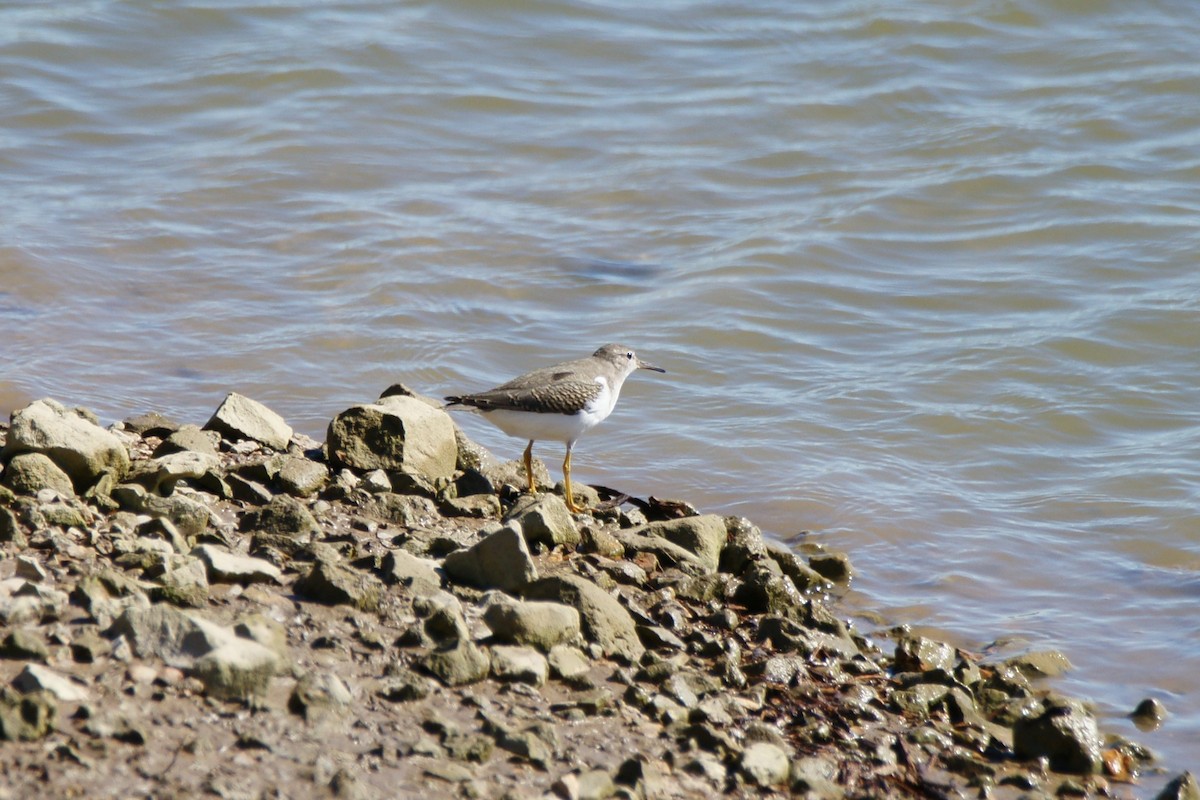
pixel 385 612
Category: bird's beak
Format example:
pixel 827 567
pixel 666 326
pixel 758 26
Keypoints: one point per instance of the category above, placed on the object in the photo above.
pixel 651 367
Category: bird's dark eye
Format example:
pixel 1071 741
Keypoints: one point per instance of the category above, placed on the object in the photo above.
pixel 629 355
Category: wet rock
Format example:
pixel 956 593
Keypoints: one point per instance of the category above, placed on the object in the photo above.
pixel 835 567
pixel 765 764
pixel 500 560
pixel 919 654
pixel 815 777
pixel 1149 714
pixel 744 545
pixel 545 520
pixel 536 623
pixel 1182 787
pixel 189 439
pixel 26 718
pixel 36 678
pixel 419 574
pixel 519 664
pixel 29 473
pixel 334 583
pixel 284 515
pixel 25 644
pixel 703 536
pixel 1064 733
pixel 226 567
pixel 764 589
pixel 605 621
pixel 71 438
pixel 802 575
pixel 395 433
pixel 1040 664
pixel 238 417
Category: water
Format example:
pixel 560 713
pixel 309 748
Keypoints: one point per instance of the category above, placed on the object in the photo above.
pixel 923 274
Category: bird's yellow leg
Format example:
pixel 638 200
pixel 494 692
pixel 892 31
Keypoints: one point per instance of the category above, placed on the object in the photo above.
pixel 529 467
pixel 567 495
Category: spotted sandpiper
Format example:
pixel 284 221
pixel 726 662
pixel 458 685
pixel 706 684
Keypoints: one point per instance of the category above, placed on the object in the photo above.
pixel 560 403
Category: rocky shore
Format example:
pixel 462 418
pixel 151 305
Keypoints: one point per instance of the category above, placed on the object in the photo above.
pixel 238 611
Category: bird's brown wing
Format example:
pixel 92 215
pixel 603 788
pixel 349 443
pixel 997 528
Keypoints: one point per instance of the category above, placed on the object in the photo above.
pixel 563 397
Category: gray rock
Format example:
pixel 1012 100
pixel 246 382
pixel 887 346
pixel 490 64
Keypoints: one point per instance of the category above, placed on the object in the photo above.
pixel 420 574
pixel 302 477
pixel 226 567
pixel 1181 787
pixel 459 663
pixel 536 623
pixel 545 519
pixel 765 764
pixel 22 602
pixel 703 536
pixel 665 551
pixel 238 417
pixel 36 678
pixel 500 560
pixel 71 438
pixel 189 516
pixel 408 510
pixel 284 515
pixel 230 666
pixel 1065 734
pixel 568 663
pixel 166 633
pixel 237 670
pixel 151 423
pixel 161 474
pixel 605 621
pixel 318 696
pixel 29 473
pixel 335 583
pixel 519 664
pixel 395 433
pixel 182 582
pixel 189 438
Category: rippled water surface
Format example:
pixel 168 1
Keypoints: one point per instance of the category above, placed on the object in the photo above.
pixel 924 275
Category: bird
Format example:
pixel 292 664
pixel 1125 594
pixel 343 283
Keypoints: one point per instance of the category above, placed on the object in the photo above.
pixel 557 403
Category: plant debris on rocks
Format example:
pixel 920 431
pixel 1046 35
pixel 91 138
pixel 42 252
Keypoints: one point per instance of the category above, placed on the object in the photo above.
pixel 240 611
